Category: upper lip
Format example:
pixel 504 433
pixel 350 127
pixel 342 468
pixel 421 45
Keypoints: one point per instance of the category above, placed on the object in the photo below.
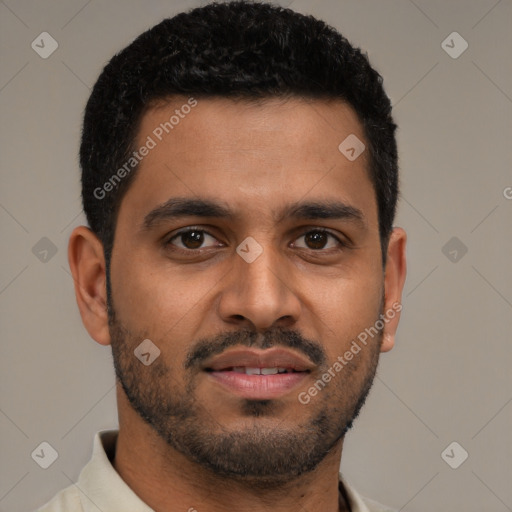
pixel 270 358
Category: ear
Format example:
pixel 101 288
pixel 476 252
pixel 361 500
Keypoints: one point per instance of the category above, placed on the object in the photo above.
pixel 87 264
pixel 394 279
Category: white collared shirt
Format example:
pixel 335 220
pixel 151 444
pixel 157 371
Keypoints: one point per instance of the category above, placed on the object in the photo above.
pixel 101 489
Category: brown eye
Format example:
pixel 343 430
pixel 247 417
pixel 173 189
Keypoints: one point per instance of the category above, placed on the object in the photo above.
pixel 317 239
pixel 190 239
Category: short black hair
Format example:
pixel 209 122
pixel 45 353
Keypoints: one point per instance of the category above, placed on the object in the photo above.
pixel 240 50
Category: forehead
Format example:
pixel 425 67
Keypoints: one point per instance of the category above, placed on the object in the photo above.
pixel 255 156
pixel 257 128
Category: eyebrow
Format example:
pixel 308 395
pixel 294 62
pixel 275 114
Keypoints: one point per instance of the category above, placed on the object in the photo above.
pixel 179 207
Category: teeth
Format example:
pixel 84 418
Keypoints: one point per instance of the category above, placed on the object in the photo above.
pixel 260 371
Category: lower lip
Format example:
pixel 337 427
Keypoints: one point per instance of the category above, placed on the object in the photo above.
pixel 258 387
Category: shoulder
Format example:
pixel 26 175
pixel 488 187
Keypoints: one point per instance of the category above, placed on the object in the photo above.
pixel 67 500
pixel 374 506
pixel 360 503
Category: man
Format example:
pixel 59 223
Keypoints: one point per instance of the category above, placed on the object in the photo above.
pixel 239 177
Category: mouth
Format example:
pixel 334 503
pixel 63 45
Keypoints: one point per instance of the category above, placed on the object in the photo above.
pixel 258 371
pixel 258 375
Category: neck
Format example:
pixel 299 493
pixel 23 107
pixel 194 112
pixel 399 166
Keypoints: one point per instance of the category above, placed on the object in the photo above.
pixel 166 480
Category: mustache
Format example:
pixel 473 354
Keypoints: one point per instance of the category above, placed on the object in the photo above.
pixel 276 337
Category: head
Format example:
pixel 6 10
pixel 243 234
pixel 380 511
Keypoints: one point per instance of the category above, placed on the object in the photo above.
pixel 224 213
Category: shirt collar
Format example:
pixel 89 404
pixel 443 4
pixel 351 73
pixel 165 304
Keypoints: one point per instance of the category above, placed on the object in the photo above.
pixel 102 489
pixel 100 486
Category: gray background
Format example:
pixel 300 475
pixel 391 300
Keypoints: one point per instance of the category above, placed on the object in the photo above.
pixel 447 379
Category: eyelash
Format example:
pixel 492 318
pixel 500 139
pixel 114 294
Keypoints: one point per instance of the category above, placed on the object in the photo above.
pixel 168 241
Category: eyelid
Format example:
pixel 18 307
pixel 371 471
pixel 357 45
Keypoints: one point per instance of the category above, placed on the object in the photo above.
pixel 342 241
pixel 183 231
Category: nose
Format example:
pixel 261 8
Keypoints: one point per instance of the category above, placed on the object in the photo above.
pixel 260 294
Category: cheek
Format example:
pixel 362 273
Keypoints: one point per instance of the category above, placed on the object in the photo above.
pixel 142 295
pixel 347 310
pixel 158 300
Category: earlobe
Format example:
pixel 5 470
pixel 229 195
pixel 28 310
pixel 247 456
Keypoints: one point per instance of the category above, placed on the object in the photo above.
pixel 394 280
pixel 388 342
pixel 87 263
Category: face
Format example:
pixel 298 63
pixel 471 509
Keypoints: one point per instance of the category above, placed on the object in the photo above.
pixel 247 250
